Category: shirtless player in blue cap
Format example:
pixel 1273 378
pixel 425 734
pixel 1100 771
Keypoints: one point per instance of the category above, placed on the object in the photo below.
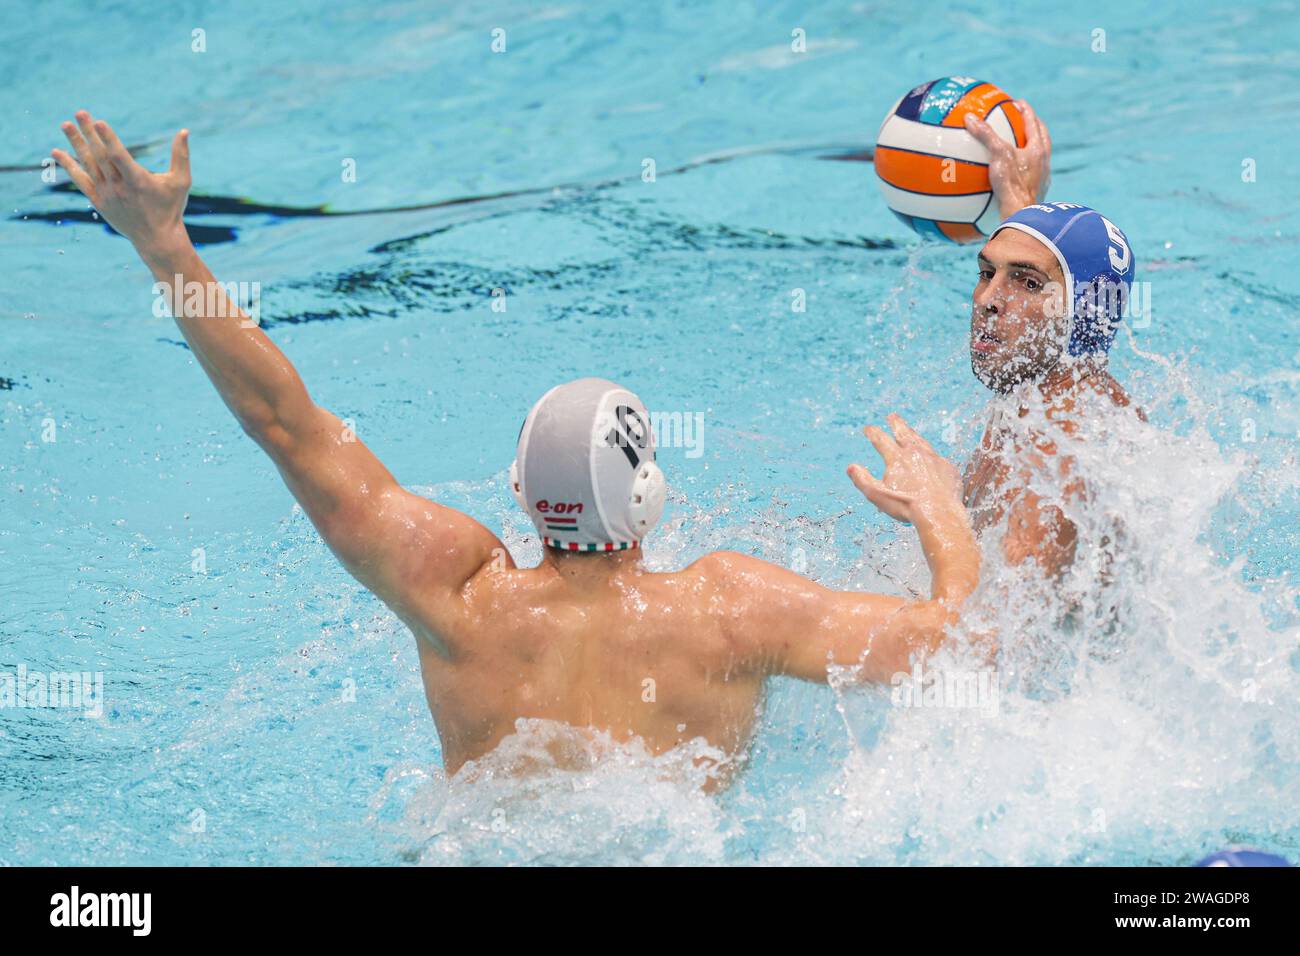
pixel 1053 281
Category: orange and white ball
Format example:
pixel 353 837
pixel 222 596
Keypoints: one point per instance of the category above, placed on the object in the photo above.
pixel 934 175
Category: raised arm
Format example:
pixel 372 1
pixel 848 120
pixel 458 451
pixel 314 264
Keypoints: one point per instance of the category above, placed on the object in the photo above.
pixel 786 624
pixel 410 551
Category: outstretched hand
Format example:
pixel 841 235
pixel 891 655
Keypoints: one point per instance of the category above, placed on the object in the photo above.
pixel 917 479
pixel 1019 176
pixel 143 206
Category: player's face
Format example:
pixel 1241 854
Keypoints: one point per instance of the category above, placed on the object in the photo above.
pixel 1017 320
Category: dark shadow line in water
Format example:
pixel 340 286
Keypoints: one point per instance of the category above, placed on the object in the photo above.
pixel 198 205
pixel 138 150
pixel 207 205
pixel 199 235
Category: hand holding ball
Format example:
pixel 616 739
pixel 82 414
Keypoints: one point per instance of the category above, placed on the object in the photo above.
pixel 934 174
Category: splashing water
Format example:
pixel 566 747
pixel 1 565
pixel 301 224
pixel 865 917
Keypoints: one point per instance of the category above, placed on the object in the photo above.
pixel 1140 722
pixel 551 794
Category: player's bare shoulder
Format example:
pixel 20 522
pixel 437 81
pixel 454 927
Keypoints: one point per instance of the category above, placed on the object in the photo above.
pixel 728 572
pixel 741 592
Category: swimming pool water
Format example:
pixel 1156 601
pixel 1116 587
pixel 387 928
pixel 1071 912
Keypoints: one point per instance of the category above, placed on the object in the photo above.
pixel 260 707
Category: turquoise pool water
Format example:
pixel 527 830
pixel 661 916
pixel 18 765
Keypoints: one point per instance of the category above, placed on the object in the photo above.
pixel 259 707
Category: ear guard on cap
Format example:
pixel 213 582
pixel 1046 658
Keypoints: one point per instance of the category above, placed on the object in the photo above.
pixel 649 489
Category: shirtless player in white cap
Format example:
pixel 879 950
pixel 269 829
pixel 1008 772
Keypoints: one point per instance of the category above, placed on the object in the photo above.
pixel 576 638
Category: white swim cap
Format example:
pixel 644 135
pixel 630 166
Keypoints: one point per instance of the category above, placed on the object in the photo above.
pixel 585 468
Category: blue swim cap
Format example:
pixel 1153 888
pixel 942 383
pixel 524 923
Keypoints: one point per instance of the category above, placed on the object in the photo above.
pixel 1242 856
pixel 1098 265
